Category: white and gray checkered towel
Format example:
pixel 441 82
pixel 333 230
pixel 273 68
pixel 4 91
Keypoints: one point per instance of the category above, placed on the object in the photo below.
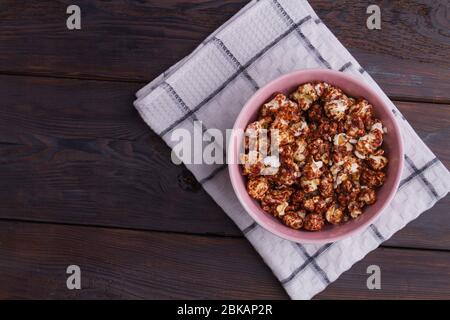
pixel 264 40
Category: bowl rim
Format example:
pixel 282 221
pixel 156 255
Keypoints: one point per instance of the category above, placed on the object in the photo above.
pixel 232 167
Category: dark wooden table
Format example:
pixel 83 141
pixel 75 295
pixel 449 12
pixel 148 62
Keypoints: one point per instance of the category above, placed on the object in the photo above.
pixel 84 181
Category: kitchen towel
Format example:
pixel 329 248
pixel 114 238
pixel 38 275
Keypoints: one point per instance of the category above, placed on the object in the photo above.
pixel 265 39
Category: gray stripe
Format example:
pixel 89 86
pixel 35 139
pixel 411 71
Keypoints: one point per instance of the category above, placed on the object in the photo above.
pixel 308 43
pixel 235 61
pixel 361 70
pixel 345 66
pixel 233 76
pixel 179 102
pixel 250 228
pixel 174 95
pixel 422 177
pixel 316 267
pixel 416 173
pixel 377 233
pixel 307 262
pixel 183 106
pixel 213 173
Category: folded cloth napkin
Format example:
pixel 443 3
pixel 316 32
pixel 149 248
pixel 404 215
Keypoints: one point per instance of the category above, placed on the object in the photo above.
pixel 265 39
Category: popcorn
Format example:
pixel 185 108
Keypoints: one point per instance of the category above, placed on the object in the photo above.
pixel 294 219
pixel 330 158
pixel 326 185
pixel 298 197
pixel 300 150
pixel 257 187
pixel 313 222
pixel 354 126
pixel 300 128
pixel 316 204
pixel 273 105
pixel 362 110
pixel 377 162
pixel 315 113
pixel 372 178
pixel 252 163
pixel 367 196
pixel 305 95
pixel 354 209
pixel 312 169
pixel 368 143
pixel 334 214
pixel 320 150
pixel 336 109
pixel 280 208
pixel 309 185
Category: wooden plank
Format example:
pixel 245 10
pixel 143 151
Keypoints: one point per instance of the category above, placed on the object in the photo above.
pixel 136 265
pixel 123 264
pixel 138 40
pixel 92 160
pixel 405 274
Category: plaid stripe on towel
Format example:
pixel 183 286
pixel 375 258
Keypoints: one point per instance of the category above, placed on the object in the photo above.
pixel 264 40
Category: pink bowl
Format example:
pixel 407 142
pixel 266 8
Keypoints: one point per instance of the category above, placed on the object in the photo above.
pixel 393 146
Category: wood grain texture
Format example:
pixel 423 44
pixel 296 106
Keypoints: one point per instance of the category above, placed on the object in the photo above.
pixel 77 152
pixel 405 274
pixel 136 41
pixel 136 265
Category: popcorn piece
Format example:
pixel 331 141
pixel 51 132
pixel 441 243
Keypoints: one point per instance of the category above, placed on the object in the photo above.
pixel 316 204
pixel 342 142
pixel 326 185
pixel 368 143
pixel 287 174
pixel 363 110
pixel 327 129
pixel 321 88
pixel 297 197
pixel 276 197
pixel 271 161
pixel 334 214
pixel 280 209
pixel 335 109
pixel 354 209
pixel 294 219
pixel 332 93
pixel 271 107
pixel 271 165
pixel 257 187
pixel 312 169
pixel 282 137
pixel 315 113
pixel 300 128
pixel 354 126
pixel 305 96
pixel 320 150
pixel 367 196
pixel 300 150
pixel 252 163
pixel 372 178
pixel 377 162
pixel 314 222
pixel 309 185
pixel 336 103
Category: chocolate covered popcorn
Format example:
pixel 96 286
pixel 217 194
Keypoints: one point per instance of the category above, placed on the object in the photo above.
pixel 329 161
